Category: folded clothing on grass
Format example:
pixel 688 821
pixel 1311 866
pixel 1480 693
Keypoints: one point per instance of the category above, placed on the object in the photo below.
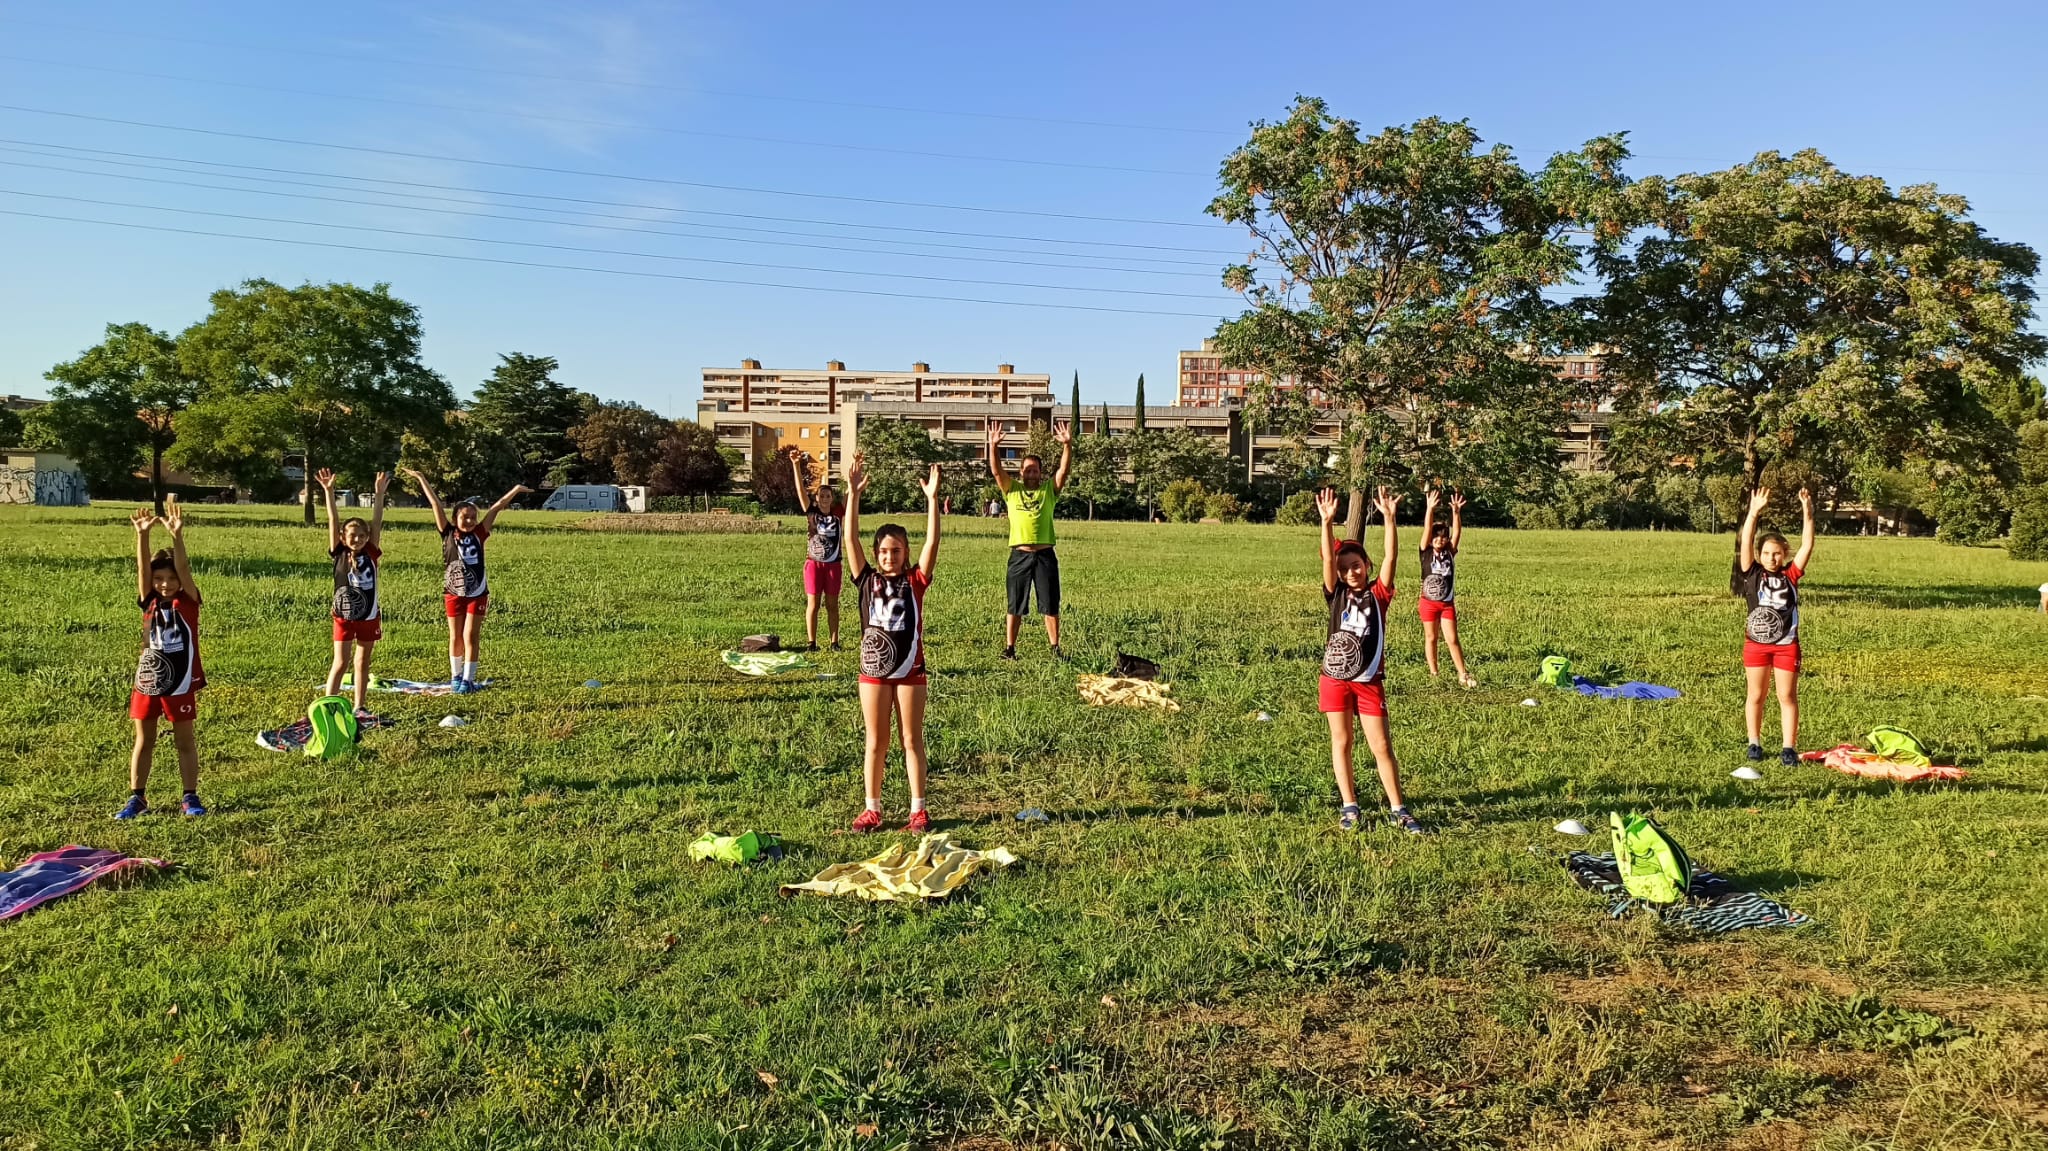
pixel 1711 906
pixel 411 686
pixel 936 868
pixel 294 736
pixel 764 662
pixel 47 875
pixel 1106 690
pixel 1850 759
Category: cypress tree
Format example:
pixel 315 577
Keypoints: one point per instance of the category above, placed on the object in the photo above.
pixel 1074 406
pixel 1139 424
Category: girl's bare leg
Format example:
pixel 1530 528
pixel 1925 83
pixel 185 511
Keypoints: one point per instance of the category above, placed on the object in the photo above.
pixel 187 742
pixel 1753 703
pixel 910 700
pixel 876 704
pixel 1342 729
pixel 1382 746
pixel 1788 706
pixel 145 749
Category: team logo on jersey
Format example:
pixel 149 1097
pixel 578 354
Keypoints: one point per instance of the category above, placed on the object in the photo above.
pixel 362 574
pixel 879 655
pixel 351 603
pixel 890 611
pixel 155 674
pixel 825 540
pixel 164 632
pixel 1436 586
pixel 1344 657
pixel 456 580
pixel 1768 625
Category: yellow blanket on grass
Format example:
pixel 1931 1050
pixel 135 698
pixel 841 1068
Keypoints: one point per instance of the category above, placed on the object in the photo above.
pixel 1102 690
pixel 936 868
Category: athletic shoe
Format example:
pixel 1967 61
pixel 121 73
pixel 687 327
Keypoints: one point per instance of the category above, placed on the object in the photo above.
pixel 1348 817
pixel 135 806
pixel 1407 822
pixel 835 645
pixel 191 804
pixel 1009 653
pixel 869 820
pixel 811 646
pixel 1755 754
pixel 920 822
pixel 1789 756
pixel 1056 654
pixel 461 686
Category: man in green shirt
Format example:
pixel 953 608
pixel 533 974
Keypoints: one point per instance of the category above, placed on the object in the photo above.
pixel 1030 497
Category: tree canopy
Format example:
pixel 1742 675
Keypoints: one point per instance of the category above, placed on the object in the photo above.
pixel 116 407
pixel 522 401
pixel 620 442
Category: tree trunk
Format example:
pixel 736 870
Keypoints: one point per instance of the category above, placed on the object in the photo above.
pixel 156 475
pixel 1752 470
pixel 307 493
pixel 1354 516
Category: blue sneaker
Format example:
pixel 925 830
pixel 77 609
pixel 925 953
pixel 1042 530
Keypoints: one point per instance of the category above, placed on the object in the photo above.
pixel 135 806
pixel 191 805
pixel 461 686
pixel 1348 816
pixel 1407 822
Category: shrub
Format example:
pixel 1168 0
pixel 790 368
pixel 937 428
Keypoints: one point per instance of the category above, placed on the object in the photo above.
pixel 1184 501
pixel 1299 510
pixel 1968 509
pixel 1226 507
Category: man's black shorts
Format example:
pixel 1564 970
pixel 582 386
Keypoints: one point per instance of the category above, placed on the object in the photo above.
pixel 1039 569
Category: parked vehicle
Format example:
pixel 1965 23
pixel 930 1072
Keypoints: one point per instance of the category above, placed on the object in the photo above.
pixel 636 497
pixel 586 498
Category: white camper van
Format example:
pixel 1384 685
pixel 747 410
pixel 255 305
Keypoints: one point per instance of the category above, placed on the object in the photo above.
pixel 586 498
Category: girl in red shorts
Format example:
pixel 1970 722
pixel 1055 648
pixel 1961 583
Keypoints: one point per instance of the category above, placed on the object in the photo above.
pixel 168 676
pixel 1352 690
pixel 1769 584
pixel 465 586
pixel 892 675
pixel 822 549
pixel 1437 604
pixel 358 616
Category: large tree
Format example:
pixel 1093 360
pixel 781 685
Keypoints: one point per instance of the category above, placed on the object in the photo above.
pixel 117 406
pixel 1783 309
pixel 462 459
pixel 1402 277
pixel 690 463
pixel 898 455
pixel 331 372
pixel 522 401
pixel 620 442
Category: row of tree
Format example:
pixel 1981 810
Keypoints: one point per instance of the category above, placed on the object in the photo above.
pixel 1780 313
pixel 330 375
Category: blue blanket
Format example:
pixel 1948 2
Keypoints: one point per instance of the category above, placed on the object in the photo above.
pixel 1633 689
pixel 44 877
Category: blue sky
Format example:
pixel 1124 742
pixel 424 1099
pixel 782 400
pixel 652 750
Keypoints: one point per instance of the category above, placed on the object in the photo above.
pixel 1076 143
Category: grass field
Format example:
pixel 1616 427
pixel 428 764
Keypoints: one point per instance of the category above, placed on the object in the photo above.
pixel 491 937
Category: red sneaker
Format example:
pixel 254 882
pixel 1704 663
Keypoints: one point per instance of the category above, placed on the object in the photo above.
pixel 868 821
pixel 920 822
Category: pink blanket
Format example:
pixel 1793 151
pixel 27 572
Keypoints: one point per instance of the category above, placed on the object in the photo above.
pixel 47 875
pixel 1849 759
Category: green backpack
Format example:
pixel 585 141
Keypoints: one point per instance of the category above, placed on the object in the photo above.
pixel 1898 745
pixel 1556 671
pixel 1653 867
pixel 334 731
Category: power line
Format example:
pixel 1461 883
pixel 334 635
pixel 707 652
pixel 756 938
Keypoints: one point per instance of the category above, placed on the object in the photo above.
pixel 474 109
pixel 274 49
pixel 636 273
pixel 624 176
pixel 96 152
pixel 594 251
pixel 645 230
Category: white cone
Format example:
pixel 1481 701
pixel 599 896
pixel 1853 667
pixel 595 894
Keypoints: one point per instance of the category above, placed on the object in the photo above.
pixel 1528 703
pixel 453 721
pixel 1572 827
pixel 1747 773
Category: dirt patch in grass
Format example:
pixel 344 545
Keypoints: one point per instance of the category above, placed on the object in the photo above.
pixel 699 523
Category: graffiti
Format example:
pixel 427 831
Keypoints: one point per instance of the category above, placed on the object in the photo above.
pixel 50 488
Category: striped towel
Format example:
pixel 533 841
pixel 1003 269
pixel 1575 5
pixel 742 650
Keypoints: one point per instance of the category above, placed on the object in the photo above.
pixel 1712 905
pixel 47 875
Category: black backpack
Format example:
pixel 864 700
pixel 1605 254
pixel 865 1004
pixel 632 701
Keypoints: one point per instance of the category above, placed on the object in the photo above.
pixel 1134 667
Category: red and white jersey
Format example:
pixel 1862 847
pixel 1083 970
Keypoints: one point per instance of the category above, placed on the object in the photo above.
pixel 892 623
pixel 170 646
pixel 1357 648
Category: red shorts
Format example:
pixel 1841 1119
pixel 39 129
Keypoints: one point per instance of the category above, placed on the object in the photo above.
pixel 917 680
pixel 462 605
pixel 1434 610
pixel 1350 698
pixel 1783 656
pixel 362 630
pixel 822 578
pixel 176 708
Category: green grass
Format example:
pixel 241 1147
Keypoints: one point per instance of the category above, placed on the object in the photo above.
pixel 491 937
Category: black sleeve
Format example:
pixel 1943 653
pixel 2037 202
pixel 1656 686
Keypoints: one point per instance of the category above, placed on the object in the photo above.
pixel 1738 580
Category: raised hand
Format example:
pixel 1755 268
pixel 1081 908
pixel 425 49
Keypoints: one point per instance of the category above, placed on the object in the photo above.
pixel 1063 431
pixel 383 482
pixel 1387 502
pixel 930 487
pixel 995 438
pixel 1759 500
pixel 143 519
pixel 857 474
pixel 1431 498
pixel 1806 499
pixel 521 489
pixel 174 518
pixel 325 478
pixel 1326 505
pixel 1457 501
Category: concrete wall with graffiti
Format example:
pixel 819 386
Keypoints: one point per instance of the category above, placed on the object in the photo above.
pixel 43 482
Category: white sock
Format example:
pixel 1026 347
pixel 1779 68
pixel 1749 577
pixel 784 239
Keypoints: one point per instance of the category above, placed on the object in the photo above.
pixel 875 804
pixel 916 804
pixel 454 667
pixel 469 670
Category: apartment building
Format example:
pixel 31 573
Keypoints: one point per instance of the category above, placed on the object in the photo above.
pixel 761 410
pixel 965 426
